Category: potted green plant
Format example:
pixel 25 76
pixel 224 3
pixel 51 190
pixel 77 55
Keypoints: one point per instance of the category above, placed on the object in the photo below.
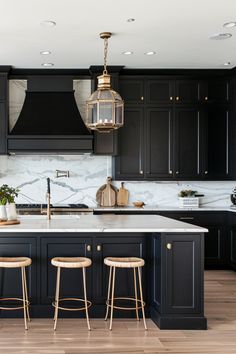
pixel 7 202
pixel 188 199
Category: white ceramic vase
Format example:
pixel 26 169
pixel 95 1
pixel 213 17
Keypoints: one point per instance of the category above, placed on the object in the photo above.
pixel 11 211
pixel 3 213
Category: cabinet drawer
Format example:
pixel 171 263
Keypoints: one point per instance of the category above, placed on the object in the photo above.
pixel 198 218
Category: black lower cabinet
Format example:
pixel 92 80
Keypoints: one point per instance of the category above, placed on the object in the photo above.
pixel 10 278
pixel 233 248
pixel 177 270
pixel 215 247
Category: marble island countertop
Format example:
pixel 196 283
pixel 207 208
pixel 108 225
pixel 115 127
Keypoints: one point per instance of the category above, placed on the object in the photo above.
pixel 102 223
pixel 164 208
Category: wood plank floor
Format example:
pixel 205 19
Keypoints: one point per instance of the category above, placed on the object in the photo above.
pixel 128 336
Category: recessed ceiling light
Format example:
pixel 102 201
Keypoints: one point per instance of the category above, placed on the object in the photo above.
pixel 229 24
pixel 45 52
pixel 127 53
pixel 130 20
pixel 47 65
pixel 48 23
pixel 220 36
pixel 150 53
pixel 227 63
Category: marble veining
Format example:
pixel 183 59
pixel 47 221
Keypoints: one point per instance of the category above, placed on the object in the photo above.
pixel 88 173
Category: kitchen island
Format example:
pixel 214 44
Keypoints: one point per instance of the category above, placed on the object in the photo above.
pixel 173 276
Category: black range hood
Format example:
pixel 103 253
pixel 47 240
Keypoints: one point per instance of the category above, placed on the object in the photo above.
pixel 50 120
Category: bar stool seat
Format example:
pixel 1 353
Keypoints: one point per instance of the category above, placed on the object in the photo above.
pixel 70 263
pixel 14 262
pixel 18 262
pixel 124 262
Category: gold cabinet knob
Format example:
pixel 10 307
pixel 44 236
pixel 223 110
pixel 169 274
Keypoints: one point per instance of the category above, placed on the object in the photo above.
pixel 142 98
pixel 171 98
pixel 177 98
pixel 89 248
pixel 206 98
pixel 206 172
pixel 99 248
pixel 177 172
pixel 168 246
pixel 141 172
pixel 170 172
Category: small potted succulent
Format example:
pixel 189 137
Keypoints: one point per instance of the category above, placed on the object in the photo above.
pixel 7 202
pixel 188 199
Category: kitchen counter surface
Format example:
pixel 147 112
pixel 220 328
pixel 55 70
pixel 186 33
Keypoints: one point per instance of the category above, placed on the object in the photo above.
pixel 166 208
pixel 102 223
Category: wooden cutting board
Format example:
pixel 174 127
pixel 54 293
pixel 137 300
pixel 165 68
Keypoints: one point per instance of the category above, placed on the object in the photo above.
pixel 122 196
pixel 9 222
pixel 107 194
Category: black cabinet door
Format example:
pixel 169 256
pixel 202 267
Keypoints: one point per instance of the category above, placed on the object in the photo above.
pixel 183 270
pixel 159 142
pixel 132 90
pixel 71 279
pixel 217 162
pixel 10 285
pixel 116 247
pixel 218 91
pixel 3 128
pixel 233 248
pixel 129 164
pixel 187 91
pixel 187 144
pixel 3 87
pixel 215 247
pixel 159 92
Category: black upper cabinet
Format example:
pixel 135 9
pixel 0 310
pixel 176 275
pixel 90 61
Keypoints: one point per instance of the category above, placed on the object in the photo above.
pixel 217 161
pixel 129 162
pixel 187 147
pixel 218 91
pixel 132 91
pixel 159 91
pixel 3 113
pixel 187 91
pixel 159 142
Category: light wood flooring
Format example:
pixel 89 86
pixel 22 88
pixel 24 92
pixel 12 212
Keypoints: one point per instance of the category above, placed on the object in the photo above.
pixel 128 336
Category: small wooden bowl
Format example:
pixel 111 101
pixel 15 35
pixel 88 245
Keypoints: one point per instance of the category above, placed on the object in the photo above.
pixel 138 204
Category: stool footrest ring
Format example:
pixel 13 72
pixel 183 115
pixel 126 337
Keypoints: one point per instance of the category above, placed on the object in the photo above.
pixel 27 303
pixel 89 304
pixel 108 303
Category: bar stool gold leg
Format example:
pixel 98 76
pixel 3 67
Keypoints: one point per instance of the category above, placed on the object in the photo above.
pixel 85 298
pixel 26 295
pixel 108 293
pixel 141 297
pixel 57 297
pixel 136 294
pixel 24 298
pixel 112 295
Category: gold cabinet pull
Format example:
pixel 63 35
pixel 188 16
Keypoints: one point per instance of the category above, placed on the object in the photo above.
pixel 206 98
pixel 177 98
pixel 141 172
pixel 142 98
pixel 88 248
pixel 170 172
pixel 168 246
pixel 177 172
pixel 171 98
pixel 206 172
pixel 99 248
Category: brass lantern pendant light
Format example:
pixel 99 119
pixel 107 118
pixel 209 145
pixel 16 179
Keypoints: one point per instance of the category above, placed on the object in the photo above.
pixel 105 107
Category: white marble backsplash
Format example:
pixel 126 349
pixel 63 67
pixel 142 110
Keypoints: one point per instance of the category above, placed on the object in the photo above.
pixel 87 174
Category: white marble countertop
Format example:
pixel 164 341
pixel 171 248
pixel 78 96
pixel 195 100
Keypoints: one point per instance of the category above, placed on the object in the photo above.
pixel 101 223
pixel 165 208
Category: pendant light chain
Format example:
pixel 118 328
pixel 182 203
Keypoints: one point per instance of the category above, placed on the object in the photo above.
pixel 105 55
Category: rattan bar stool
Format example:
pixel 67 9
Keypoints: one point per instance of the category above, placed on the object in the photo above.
pixel 71 262
pixel 18 262
pixel 124 262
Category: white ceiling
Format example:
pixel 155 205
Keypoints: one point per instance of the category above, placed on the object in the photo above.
pixel 177 30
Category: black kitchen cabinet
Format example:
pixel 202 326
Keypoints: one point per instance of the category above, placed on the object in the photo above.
pixel 71 279
pixel 187 91
pixel 116 247
pixel 11 286
pixel 132 90
pixel 159 91
pixel 218 90
pixel 217 151
pixel 188 147
pixel 215 247
pixel 233 248
pixel 130 160
pixel 159 143
pixel 3 112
